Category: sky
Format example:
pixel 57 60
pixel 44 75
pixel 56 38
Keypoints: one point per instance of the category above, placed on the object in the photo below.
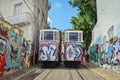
pixel 60 14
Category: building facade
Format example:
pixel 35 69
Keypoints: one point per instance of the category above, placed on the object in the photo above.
pixel 105 45
pixel 28 15
pixel 107 17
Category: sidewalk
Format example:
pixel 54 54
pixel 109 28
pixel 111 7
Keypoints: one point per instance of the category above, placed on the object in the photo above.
pixel 13 74
pixel 105 73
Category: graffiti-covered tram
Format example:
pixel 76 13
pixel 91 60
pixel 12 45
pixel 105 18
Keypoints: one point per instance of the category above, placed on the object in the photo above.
pixel 73 47
pixel 50 46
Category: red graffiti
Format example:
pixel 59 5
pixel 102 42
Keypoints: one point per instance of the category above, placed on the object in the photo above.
pixel 3 42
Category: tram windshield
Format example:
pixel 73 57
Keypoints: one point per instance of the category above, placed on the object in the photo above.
pixel 48 35
pixel 73 36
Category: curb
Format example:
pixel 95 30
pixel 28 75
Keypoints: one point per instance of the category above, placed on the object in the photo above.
pixel 106 77
pixel 99 74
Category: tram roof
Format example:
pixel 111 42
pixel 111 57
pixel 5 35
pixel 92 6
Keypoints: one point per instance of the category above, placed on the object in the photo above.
pixel 49 30
pixel 73 31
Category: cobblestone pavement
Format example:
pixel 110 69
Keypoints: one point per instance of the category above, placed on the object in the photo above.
pixel 83 72
pixel 13 75
pixel 105 73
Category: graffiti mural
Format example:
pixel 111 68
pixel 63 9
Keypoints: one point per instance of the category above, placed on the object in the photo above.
pixel 73 52
pixel 14 50
pixel 116 53
pixel 2 54
pixel 48 52
pixel 2 46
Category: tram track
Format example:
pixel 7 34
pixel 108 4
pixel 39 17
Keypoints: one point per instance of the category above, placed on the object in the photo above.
pixel 71 76
pixel 80 74
pixel 43 75
pixel 87 74
pixel 61 73
pixel 23 75
pixel 47 74
pixel 75 74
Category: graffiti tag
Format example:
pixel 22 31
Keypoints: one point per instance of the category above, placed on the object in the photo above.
pixel 72 52
pixel 2 46
pixel 48 53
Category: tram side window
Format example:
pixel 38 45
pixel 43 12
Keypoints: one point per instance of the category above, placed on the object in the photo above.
pixel 48 35
pixel 56 35
pixel 41 35
pixel 73 36
pixel 66 36
pixel 80 39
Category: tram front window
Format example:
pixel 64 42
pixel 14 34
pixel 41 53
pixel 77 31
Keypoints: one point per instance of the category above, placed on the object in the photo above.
pixel 73 36
pixel 48 35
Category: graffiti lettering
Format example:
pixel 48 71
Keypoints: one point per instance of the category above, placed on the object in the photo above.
pixel 72 52
pixel 116 54
pixel 110 32
pixel 2 46
pixel 48 53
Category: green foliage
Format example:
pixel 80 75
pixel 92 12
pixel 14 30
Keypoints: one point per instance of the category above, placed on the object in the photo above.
pixel 86 18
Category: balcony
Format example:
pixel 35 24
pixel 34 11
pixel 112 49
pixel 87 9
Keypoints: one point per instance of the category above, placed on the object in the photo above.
pixel 21 19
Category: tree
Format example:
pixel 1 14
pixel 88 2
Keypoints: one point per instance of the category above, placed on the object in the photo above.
pixel 86 18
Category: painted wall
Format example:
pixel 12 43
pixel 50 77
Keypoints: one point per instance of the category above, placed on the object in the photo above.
pixel 106 33
pixel 3 43
pixel 13 50
pixel 4 27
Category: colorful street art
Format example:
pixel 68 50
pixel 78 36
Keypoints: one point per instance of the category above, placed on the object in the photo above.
pixel 109 48
pixel 4 29
pixel 2 54
pixel 2 45
pixel 48 52
pixel 73 52
pixel 115 57
pixel 14 50
pixel 25 55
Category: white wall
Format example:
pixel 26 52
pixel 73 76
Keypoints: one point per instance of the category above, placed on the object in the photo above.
pixel 7 7
pixel 29 32
pixel 108 14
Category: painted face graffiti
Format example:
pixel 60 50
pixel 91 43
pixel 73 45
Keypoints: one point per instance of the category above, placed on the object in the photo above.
pixel 14 49
pixel 2 46
pixel 72 52
pixel 48 53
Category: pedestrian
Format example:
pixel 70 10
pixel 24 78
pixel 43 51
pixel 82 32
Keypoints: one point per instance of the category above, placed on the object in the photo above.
pixel 87 58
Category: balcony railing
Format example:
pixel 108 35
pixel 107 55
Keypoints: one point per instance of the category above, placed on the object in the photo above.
pixel 24 18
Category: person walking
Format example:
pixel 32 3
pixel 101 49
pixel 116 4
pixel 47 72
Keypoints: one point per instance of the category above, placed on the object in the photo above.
pixel 87 58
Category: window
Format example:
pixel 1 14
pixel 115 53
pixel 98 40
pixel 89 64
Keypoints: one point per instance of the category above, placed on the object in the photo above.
pixel 48 35
pixel 80 36
pixel 41 35
pixel 73 36
pixel 66 36
pixel 18 9
pixel 56 35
